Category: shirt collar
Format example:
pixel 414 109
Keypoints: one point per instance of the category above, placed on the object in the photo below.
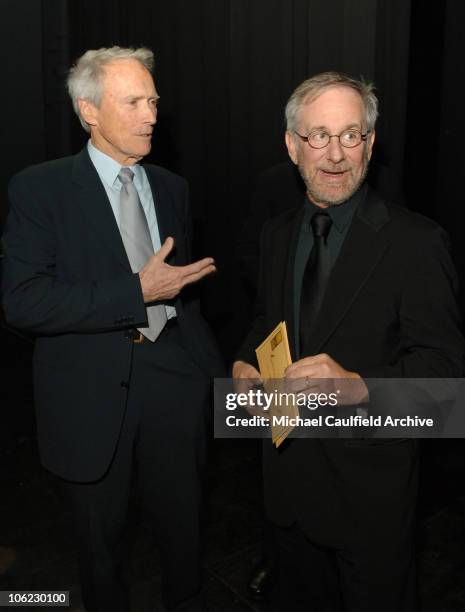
pixel 341 215
pixel 108 168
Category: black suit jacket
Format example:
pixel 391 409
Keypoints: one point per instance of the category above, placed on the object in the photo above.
pixel 278 189
pixel 67 279
pixel 389 311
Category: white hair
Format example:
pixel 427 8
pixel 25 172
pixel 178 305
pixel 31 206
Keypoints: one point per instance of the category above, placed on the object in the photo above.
pixel 313 87
pixel 85 78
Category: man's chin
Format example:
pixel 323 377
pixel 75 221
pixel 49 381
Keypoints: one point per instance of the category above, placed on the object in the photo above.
pixel 142 151
pixel 330 197
pixel 146 151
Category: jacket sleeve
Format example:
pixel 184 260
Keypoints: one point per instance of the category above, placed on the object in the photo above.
pixel 259 329
pixel 432 343
pixel 36 298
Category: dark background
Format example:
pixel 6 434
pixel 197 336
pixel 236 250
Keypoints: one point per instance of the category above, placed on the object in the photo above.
pixel 224 69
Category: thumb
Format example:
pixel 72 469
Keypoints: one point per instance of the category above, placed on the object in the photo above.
pixel 166 248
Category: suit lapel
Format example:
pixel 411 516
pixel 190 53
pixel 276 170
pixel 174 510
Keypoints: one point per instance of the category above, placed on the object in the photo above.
pixel 287 235
pixel 361 252
pixel 91 197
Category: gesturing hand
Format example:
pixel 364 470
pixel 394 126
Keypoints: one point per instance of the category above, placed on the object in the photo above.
pixel 160 281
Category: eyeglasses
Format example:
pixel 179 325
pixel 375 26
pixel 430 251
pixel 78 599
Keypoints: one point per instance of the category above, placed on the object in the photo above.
pixel 319 139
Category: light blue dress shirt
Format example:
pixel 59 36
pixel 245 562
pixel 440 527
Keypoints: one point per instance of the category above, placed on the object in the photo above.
pixel 108 170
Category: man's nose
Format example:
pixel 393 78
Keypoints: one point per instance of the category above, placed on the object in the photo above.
pixel 150 113
pixel 334 150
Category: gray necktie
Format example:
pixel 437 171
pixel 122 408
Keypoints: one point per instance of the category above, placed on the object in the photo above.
pixel 138 244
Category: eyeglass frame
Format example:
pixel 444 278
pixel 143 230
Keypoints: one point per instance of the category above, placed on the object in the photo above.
pixel 338 136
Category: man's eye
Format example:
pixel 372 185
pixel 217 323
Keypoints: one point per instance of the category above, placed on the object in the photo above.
pixel 350 136
pixel 318 136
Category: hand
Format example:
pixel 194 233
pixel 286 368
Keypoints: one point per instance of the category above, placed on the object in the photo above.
pixel 160 281
pixel 322 374
pixel 247 377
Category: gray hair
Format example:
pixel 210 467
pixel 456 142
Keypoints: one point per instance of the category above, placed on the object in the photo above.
pixel 316 85
pixel 85 77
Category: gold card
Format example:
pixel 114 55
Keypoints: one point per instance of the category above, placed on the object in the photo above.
pixel 273 357
pixel 273 354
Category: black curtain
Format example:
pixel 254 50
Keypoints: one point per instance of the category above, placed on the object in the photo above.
pixel 224 69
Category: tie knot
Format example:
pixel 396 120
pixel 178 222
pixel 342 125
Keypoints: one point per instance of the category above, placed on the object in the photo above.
pixel 321 224
pixel 126 175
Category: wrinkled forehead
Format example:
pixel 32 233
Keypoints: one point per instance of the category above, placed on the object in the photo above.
pixel 334 104
pixel 124 74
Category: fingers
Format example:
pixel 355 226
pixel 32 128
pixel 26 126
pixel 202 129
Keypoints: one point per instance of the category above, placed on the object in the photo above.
pixel 315 366
pixel 166 248
pixel 246 376
pixel 162 281
pixel 321 373
pixel 196 271
pixel 193 278
pixel 242 369
pixel 304 367
pixel 252 374
pixel 198 267
pixel 243 385
pixel 204 266
pixel 301 373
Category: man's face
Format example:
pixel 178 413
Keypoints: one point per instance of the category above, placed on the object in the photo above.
pixel 334 173
pixel 122 125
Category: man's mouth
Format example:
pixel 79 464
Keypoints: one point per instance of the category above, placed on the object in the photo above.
pixel 333 175
pixel 333 172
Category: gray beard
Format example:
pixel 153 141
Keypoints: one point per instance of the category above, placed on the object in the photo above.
pixel 313 196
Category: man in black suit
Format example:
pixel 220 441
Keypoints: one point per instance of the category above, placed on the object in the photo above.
pixel 97 263
pixel 385 307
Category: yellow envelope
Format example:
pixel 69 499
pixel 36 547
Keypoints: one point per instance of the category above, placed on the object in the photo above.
pixel 273 357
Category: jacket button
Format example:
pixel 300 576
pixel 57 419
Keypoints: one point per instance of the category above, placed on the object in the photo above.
pixel 124 384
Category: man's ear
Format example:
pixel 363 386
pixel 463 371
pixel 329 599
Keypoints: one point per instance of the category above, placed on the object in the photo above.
pixel 291 146
pixel 88 111
pixel 370 142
